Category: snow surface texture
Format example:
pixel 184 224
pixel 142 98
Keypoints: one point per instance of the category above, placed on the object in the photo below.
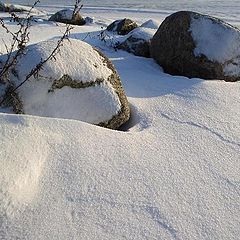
pixel 173 175
pixel 219 42
pixel 78 60
pixel 178 178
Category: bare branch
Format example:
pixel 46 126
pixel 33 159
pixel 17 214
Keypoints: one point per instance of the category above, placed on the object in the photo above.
pixel 19 41
pixel 35 71
pixel 77 8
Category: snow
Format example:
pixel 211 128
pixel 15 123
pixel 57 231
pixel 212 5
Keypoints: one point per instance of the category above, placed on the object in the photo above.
pixel 172 174
pixel 112 39
pixel 151 24
pixel 86 64
pixel 92 104
pixel 177 178
pixel 142 33
pixel 219 42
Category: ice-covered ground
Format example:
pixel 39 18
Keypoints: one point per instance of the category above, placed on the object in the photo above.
pixel 173 174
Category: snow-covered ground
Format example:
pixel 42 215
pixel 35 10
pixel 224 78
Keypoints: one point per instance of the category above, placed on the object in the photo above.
pixel 172 174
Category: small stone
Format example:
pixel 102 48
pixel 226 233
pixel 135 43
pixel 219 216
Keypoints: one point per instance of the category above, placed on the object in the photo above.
pixel 123 26
pixel 66 16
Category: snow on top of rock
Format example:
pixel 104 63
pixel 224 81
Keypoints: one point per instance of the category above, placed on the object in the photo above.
pixel 76 59
pixel 218 42
pixel 142 33
pixel 66 13
pixel 95 103
pixel 139 33
pixel 153 24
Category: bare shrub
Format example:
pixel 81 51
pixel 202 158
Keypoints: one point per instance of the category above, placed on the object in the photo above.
pixel 19 42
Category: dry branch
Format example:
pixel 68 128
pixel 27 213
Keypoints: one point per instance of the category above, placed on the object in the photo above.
pixel 21 38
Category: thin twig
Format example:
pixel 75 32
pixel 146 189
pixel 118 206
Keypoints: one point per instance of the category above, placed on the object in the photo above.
pixel 77 8
pixel 21 38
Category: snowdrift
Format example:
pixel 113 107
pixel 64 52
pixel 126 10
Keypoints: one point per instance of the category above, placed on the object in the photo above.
pixel 177 178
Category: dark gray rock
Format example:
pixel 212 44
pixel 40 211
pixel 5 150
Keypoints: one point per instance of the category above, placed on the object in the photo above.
pixel 196 45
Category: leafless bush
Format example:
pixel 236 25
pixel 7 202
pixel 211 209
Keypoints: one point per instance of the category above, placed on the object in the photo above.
pixel 19 42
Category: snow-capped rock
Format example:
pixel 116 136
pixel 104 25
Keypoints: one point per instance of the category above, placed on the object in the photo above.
pixel 79 84
pixel 122 27
pixel 196 45
pixel 67 16
pixel 138 42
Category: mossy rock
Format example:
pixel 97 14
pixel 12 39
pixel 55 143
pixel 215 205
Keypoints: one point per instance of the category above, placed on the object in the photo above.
pixel 123 26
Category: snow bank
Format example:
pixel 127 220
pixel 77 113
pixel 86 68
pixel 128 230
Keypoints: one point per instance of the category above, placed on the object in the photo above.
pixel 176 179
pixel 22 161
pixel 174 175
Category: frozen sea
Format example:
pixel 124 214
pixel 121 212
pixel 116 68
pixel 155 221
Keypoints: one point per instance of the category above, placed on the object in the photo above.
pixel 227 10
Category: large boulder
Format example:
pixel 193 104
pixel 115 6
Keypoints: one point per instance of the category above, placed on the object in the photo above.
pixel 138 42
pixel 122 27
pixel 80 83
pixel 67 16
pixel 196 45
